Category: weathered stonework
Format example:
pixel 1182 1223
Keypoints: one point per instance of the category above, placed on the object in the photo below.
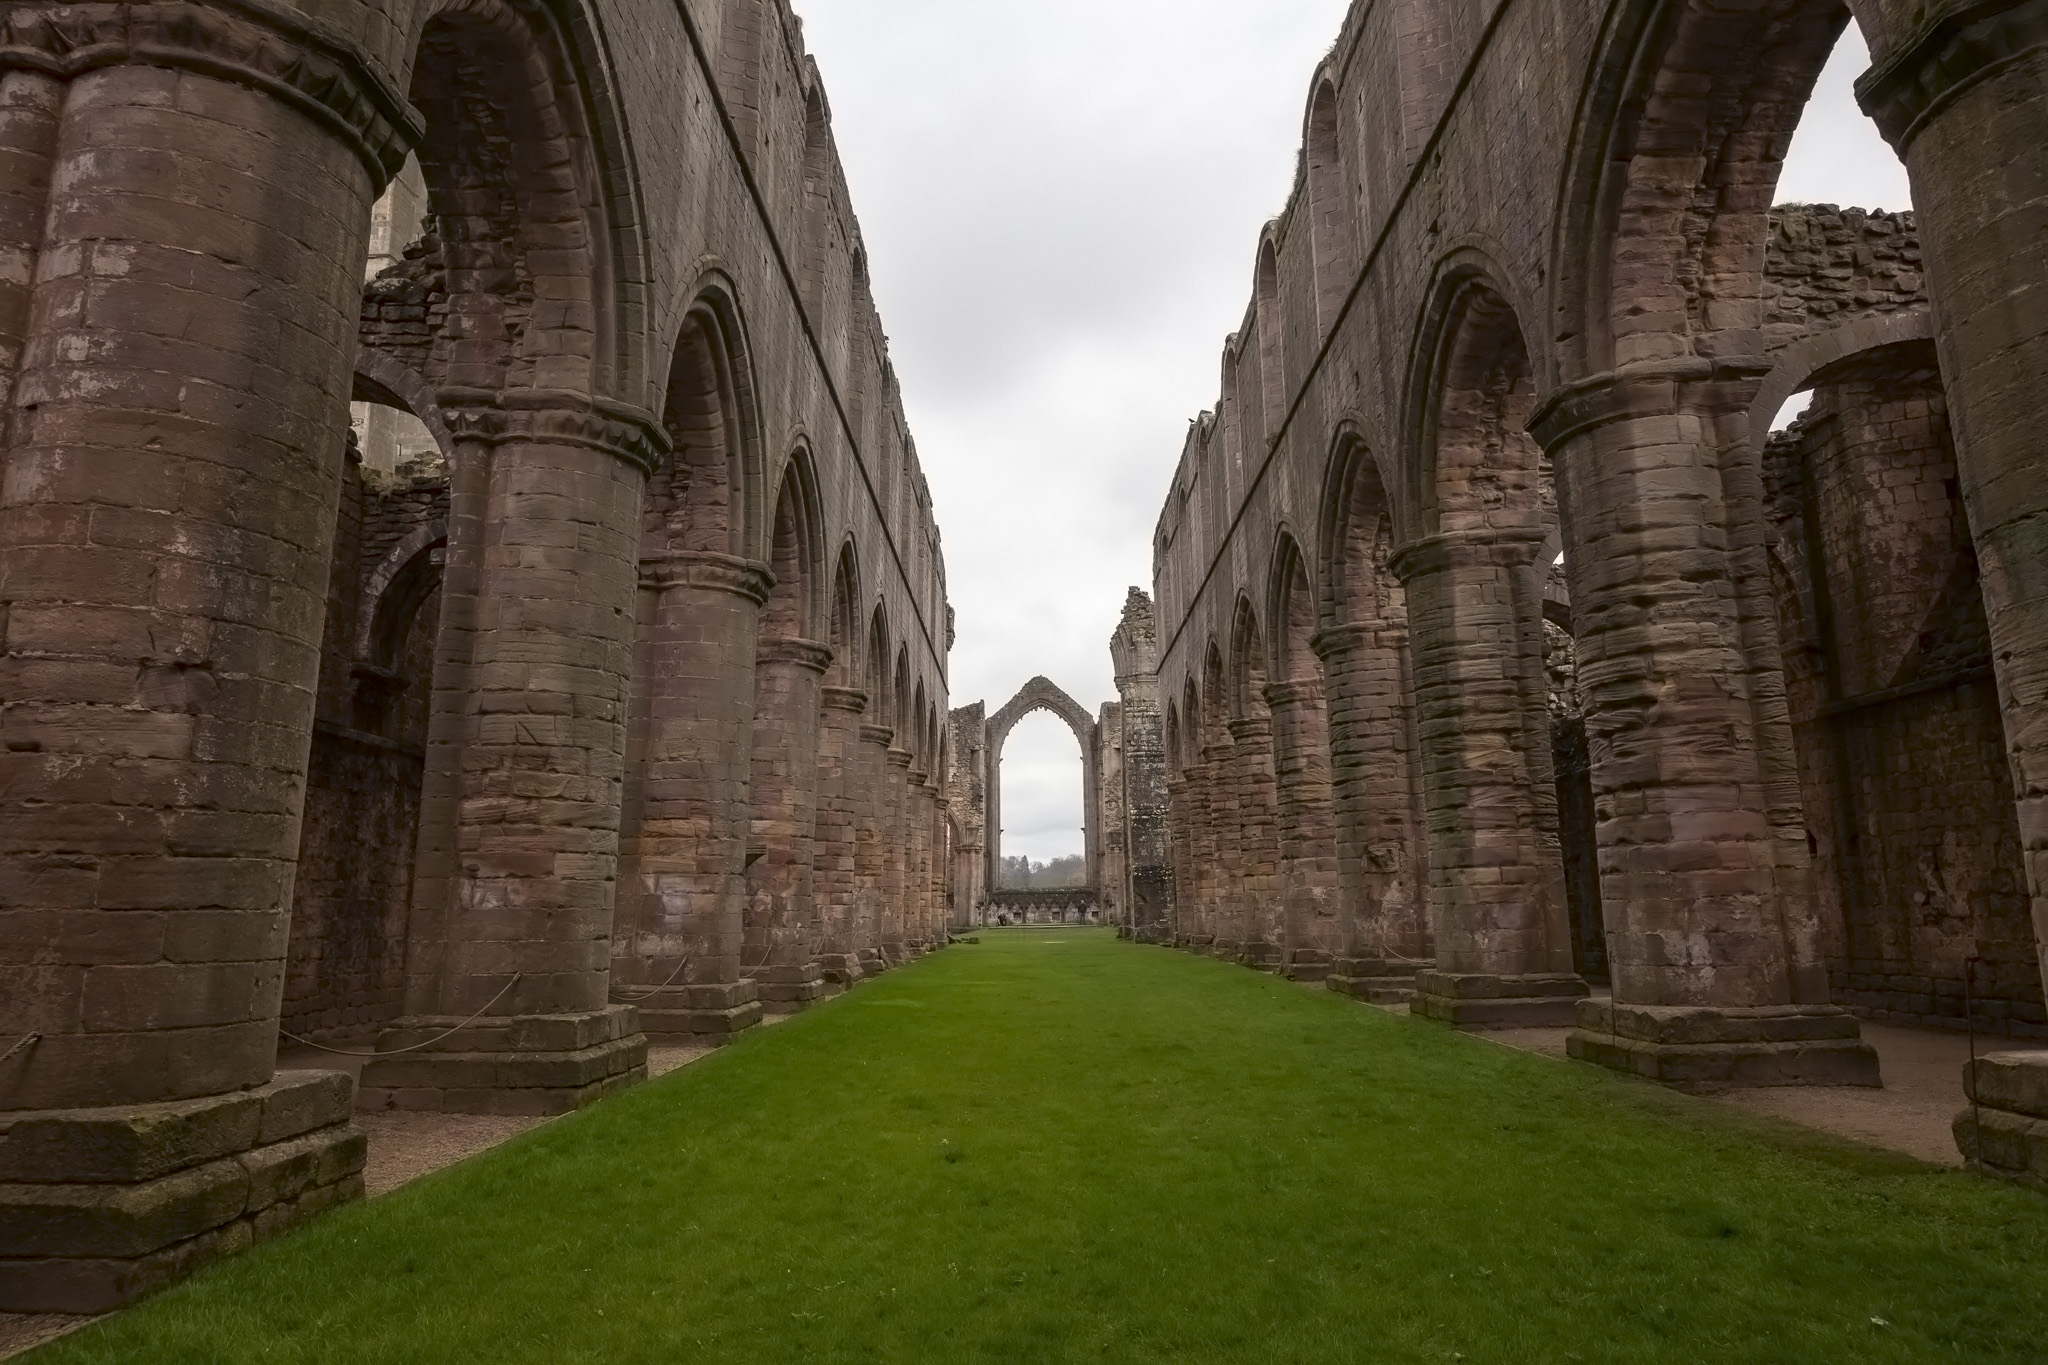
pixel 531 736
pixel 1617 685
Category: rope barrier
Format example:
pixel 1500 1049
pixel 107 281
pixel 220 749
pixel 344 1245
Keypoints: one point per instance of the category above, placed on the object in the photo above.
pixel 636 999
pixel 30 1040
pixel 416 1047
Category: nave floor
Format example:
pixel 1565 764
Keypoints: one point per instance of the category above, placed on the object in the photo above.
pixel 1052 1147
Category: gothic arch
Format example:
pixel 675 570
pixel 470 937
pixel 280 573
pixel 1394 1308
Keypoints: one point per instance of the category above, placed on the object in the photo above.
pixel 523 127
pixel 1680 135
pixel 1041 694
pixel 1331 206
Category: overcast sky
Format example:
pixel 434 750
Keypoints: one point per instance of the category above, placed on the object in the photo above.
pixel 1061 202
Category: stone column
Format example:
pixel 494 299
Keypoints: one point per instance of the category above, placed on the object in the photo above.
pixel 1965 103
pixel 872 855
pixel 682 883
pixel 945 880
pixel 835 846
pixel 1230 907
pixel 895 855
pixel 1262 940
pixel 917 833
pixel 191 189
pixel 781 951
pixel 1206 810
pixel 1180 845
pixel 513 894
pixel 1307 825
pixel 1503 942
pixel 1381 849
pixel 1705 881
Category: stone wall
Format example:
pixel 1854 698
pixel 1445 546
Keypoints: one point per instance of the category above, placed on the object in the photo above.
pixel 1528 314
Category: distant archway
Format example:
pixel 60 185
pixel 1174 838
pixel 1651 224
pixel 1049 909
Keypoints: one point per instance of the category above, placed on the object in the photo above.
pixel 1041 695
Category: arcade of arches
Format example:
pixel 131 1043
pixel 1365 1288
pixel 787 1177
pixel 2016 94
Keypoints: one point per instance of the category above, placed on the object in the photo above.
pixel 593 688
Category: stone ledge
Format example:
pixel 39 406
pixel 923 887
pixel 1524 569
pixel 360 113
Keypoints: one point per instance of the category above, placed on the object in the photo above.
pixel 1696 1024
pixel 1721 1065
pixel 2016 1082
pixel 702 1025
pixel 538 1084
pixel 131 1146
pixel 77 1247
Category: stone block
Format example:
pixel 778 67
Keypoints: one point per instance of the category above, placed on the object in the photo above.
pixel 301 1101
pixel 2015 1082
pixel 121 1221
pixel 1706 1049
pixel 130 1145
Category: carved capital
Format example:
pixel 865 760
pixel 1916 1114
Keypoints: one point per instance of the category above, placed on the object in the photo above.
pixel 847 699
pixel 882 735
pixel 1282 696
pixel 1947 57
pixel 1253 731
pixel 1338 641
pixel 707 572
pixel 556 417
pixel 1692 384
pixel 805 654
pixel 1513 547
pixel 254 43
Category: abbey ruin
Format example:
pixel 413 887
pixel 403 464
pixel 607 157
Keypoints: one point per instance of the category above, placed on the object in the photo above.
pixel 470 595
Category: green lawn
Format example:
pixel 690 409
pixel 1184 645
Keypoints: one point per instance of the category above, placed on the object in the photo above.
pixel 1058 1147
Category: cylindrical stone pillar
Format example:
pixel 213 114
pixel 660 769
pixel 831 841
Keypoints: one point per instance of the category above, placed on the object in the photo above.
pixel 780 951
pixel 1381 850
pixel 1180 846
pixel 896 854
pixel 513 901
pixel 1306 823
pixel 1965 103
pixel 1503 942
pixel 30 105
pixel 1224 914
pixel 834 877
pixel 1262 937
pixel 682 877
pixel 871 831
pixel 173 464
pixel 1705 882
pixel 184 215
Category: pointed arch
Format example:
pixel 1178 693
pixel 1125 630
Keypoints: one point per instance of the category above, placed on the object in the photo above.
pixel 796 606
pixel 1270 328
pixel 880 700
pixel 1357 536
pixel 529 175
pixel 1331 205
pixel 843 625
pixel 707 496
pixel 1680 135
pixel 1291 612
pixel 1249 672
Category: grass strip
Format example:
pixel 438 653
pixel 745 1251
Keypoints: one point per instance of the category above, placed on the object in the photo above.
pixel 1059 1147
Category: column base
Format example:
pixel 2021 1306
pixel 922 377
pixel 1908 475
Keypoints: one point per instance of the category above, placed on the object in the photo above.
pixel 1198 944
pixel 1263 957
pixel 714 1014
pixel 533 1065
pixel 1711 1049
pixel 1376 980
pixel 789 988
pixel 2005 1134
pixel 872 963
pixel 1312 965
pixel 841 969
pixel 99 1207
pixel 1476 1001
